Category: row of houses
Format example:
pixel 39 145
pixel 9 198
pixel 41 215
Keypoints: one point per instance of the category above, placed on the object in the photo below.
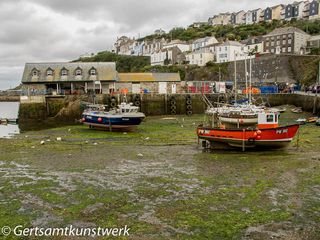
pixel 287 40
pixel 93 77
pixel 307 10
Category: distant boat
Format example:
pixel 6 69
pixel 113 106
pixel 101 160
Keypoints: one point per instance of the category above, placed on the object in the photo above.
pixel 302 121
pixel 280 109
pixel 312 119
pixel 125 117
pixel 296 110
pixel 5 121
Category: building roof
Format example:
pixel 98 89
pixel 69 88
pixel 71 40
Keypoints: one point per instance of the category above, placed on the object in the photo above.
pixel 205 39
pixel 252 40
pixel 106 71
pixel 231 43
pixel 314 38
pixel 285 30
pixel 149 77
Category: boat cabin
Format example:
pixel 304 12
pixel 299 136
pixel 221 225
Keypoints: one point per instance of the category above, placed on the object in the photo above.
pixel 268 120
pixel 128 108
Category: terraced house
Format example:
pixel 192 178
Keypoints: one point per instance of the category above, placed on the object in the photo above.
pixel 288 40
pixel 253 16
pixel 69 78
pixel 295 10
pixel 314 10
pixel 272 13
pixel 238 18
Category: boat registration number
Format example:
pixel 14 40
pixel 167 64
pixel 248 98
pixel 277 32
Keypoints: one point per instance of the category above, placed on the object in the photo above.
pixel 280 131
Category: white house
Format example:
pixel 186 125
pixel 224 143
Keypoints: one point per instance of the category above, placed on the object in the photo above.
pixel 167 56
pixel 203 42
pixel 200 57
pixel 183 46
pixel 230 51
pixel 151 46
pixel 253 45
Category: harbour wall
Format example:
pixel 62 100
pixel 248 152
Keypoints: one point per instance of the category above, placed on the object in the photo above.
pixel 8 98
pixel 69 108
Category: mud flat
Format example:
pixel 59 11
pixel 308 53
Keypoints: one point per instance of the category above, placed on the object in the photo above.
pixel 160 183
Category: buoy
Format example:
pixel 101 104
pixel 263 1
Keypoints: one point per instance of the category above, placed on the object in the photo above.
pixel 99 119
pixel 83 119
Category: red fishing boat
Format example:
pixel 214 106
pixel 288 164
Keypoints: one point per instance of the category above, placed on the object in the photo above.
pixel 267 133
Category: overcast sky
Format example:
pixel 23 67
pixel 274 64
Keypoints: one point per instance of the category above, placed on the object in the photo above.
pixel 61 30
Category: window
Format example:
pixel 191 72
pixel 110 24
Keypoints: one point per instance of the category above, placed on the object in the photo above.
pixel 64 72
pixel 278 43
pixel 283 50
pixel 284 41
pixel 93 72
pixel 289 49
pixel 269 118
pixel 289 41
pixel 34 73
pixel 78 72
pixel 49 72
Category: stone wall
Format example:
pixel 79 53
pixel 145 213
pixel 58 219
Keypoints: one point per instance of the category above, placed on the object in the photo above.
pixel 68 109
pixel 266 69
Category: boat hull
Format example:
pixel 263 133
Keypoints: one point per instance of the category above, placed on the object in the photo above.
pixel 249 138
pixel 112 122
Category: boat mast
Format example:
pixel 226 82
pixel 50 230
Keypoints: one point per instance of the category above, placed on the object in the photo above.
pixel 246 74
pixel 235 77
pixel 250 80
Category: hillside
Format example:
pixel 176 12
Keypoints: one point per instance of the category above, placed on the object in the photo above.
pixel 236 32
pixel 123 63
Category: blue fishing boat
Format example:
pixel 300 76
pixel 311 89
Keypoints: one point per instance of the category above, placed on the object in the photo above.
pixel 125 117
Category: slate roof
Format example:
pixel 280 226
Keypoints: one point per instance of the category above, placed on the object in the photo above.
pixel 149 77
pixel 231 43
pixel 285 30
pixel 106 71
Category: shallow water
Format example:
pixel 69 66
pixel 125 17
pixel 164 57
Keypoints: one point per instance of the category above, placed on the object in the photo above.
pixel 9 110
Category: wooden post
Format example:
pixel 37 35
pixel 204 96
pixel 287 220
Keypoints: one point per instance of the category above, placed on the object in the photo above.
pixel 110 126
pixel 243 140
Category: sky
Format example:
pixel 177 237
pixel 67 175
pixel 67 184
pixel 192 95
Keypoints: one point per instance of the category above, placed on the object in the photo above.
pixel 62 30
